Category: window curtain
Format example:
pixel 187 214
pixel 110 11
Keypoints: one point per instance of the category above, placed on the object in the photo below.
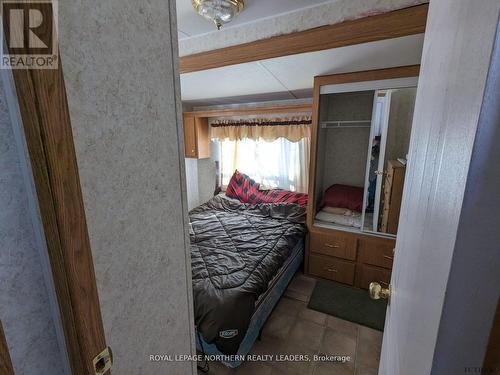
pixel 293 129
pixel 276 158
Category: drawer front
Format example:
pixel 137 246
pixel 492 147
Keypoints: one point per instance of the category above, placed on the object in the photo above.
pixel 365 274
pixel 377 252
pixel 332 269
pixel 336 245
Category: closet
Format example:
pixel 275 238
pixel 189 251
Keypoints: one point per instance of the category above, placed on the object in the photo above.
pixel 360 139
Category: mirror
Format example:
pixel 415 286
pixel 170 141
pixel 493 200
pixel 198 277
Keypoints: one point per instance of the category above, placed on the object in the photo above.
pixel 388 154
pixel 363 141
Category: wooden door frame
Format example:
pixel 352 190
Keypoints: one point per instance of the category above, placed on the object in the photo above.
pixel 5 361
pixel 43 106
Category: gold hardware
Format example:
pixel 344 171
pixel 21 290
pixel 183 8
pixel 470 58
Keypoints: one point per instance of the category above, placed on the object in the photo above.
pixel 329 269
pixel 388 257
pixel 218 13
pixel 103 361
pixel 377 292
pixel 332 246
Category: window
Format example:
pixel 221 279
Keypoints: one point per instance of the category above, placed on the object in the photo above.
pixel 276 164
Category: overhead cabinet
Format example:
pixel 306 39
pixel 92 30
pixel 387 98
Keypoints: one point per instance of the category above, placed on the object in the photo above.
pixel 196 137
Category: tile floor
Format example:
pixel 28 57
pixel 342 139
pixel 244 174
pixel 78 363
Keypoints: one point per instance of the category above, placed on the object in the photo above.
pixel 292 328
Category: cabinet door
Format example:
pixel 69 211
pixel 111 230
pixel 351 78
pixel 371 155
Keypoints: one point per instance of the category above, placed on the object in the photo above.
pixel 189 137
pixel 202 137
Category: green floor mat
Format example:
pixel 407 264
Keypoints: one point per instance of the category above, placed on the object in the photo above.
pixel 348 303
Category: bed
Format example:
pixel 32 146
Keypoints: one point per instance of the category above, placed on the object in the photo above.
pixel 243 257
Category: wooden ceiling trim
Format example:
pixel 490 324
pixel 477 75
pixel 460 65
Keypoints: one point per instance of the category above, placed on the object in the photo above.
pixel 398 23
pixel 294 108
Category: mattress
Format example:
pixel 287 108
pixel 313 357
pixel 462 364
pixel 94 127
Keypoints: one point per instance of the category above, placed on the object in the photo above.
pixel 236 252
pixel 263 309
pixel 296 251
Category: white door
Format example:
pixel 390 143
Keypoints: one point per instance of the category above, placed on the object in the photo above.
pixel 456 56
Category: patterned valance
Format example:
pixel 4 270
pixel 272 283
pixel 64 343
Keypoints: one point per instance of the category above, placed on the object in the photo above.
pixel 294 129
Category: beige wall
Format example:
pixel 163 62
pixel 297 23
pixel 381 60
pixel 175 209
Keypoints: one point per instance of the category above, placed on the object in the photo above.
pixel 342 153
pixel 123 92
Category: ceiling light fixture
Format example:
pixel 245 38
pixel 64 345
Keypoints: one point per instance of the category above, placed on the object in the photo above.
pixel 219 11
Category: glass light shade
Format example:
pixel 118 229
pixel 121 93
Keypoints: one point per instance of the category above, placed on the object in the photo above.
pixel 218 11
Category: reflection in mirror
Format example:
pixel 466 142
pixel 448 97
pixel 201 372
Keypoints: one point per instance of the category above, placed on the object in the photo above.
pixel 389 143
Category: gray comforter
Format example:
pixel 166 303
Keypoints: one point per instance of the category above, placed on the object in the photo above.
pixel 236 249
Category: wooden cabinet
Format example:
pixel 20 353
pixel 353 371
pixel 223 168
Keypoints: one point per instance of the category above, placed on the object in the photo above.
pixel 361 123
pixel 332 268
pixel 393 194
pixel 333 244
pixel 377 252
pixel 351 258
pixel 365 274
pixel 196 137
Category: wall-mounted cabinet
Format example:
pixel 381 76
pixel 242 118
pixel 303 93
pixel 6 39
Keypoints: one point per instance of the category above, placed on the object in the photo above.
pixel 196 137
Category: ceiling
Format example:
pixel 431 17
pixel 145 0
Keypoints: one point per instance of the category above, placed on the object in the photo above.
pixel 291 77
pixel 189 23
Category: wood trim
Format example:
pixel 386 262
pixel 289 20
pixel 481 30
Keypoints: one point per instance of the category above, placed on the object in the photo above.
pixel 312 158
pixel 368 75
pixel 294 108
pixel 491 363
pixel 5 361
pixel 44 112
pixel 45 115
pixel 46 121
pixel 398 23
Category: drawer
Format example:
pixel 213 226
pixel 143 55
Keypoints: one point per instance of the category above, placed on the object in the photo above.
pixel 333 244
pixel 365 274
pixel 332 269
pixel 376 251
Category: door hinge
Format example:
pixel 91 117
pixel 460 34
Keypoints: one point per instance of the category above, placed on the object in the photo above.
pixel 103 361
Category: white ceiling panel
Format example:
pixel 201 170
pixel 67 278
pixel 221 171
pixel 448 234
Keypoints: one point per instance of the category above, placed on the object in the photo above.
pixel 297 72
pixel 235 80
pixel 292 76
pixel 190 23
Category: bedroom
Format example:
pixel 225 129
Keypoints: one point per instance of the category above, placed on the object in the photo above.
pixel 328 129
pixel 250 187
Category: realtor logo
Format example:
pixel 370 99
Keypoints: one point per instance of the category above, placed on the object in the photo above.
pixel 29 34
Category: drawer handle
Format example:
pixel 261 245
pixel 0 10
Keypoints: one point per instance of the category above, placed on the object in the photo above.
pixel 332 246
pixel 329 269
pixel 388 257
